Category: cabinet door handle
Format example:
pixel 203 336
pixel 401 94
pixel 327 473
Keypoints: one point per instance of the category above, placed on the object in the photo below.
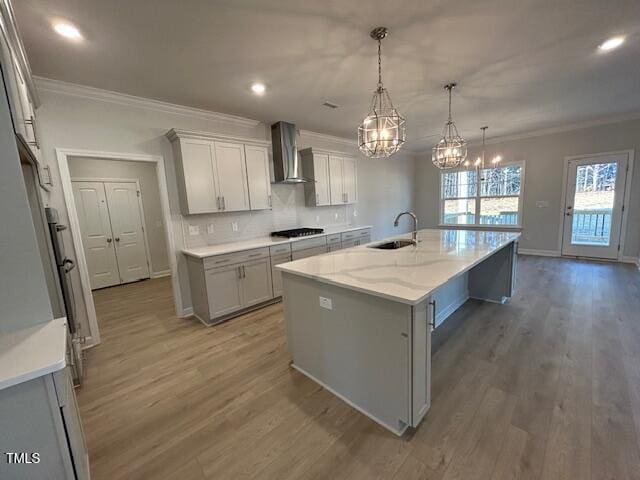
pixel 269 198
pixel 218 203
pixel 224 204
pixel 346 197
pixel 244 274
pixel 317 199
pixel 255 255
pixel 239 272
pixel 433 324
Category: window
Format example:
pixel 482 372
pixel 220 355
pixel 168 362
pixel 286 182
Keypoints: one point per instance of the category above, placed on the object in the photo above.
pixel 491 196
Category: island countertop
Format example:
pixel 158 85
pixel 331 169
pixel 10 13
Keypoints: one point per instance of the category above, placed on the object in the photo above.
pixel 407 275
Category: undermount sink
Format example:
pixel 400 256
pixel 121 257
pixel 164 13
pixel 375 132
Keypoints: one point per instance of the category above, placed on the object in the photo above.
pixel 393 245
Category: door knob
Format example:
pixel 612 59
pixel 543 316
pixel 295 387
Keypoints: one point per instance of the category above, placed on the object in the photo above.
pixel 117 239
pixel 109 240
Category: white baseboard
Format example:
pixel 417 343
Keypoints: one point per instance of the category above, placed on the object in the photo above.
pixel 539 253
pixel 186 312
pixel 629 259
pixel 163 273
pixel 444 313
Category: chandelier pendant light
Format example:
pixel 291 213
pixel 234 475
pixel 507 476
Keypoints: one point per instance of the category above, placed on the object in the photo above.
pixel 382 132
pixel 451 150
pixel 479 164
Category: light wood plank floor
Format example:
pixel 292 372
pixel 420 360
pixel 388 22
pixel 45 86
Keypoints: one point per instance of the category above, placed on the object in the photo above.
pixel 545 387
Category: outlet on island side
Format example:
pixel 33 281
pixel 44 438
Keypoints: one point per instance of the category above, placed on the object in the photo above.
pixel 326 303
pixel 234 226
pixel 211 229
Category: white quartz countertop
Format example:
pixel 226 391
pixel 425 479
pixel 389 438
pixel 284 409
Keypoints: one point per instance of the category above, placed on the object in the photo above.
pixel 260 242
pixel 32 352
pixel 408 274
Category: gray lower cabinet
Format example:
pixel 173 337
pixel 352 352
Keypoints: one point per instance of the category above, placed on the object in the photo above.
pixel 256 286
pixel 41 417
pixel 220 291
pixel 276 275
pixel 224 290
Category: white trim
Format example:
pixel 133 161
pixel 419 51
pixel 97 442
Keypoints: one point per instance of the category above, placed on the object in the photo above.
pixel 91 93
pixel 147 252
pixel 161 274
pixel 478 199
pixel 350 403
pixel 348 142
pixel 176 133
pixel 62 155
pixel 539 253
pixel 625 200
pixel 629 259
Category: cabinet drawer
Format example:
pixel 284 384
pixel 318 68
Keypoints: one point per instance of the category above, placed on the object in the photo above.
pixel 309 252
pixel 355 234
pixel 282 258
pixel 335 238
pixel 237 257
pixel 280 249
pixel 309 243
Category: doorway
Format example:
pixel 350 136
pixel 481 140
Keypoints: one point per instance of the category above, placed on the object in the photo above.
pixel 113 237
pixel 593 216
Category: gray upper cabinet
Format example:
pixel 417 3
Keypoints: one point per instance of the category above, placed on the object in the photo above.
pixel 258 177
pixel 316 168
pixel 231 176
pixel 220 174
pixel 333 178
pixel 195 172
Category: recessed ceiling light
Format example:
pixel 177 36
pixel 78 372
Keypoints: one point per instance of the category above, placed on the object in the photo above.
pixel 67 30
pixel 611 43
pixel 258 88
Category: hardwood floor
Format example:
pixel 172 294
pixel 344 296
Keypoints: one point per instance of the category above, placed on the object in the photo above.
pixel 545 387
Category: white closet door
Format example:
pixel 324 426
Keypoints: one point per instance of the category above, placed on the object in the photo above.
pixel 232 176
pixel 258 177
pixel 335 180
pixel 97 238
pixel 350 182
pixel 128 235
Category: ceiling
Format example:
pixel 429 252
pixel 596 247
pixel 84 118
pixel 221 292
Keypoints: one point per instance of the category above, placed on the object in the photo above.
pixel 520 64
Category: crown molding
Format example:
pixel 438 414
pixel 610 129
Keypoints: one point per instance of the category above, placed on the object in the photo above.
pixel 609 120
pixel 92 93
pixel 176 133
pixel 323 137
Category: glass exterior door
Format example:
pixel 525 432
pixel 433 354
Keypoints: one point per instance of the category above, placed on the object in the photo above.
pixel 593 208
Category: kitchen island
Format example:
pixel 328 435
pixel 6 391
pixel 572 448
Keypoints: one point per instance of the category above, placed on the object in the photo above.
pixel 359 321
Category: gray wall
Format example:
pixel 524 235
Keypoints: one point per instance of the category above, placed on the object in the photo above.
pixel 71 121
pixel 145 173
pixel 24 298
pixel 544 158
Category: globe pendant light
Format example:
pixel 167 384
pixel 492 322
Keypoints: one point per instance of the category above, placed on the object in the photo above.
pixel 382 132
pixel 451 150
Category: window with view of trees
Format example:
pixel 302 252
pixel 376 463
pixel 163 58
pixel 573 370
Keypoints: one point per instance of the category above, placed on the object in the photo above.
pixel 491 196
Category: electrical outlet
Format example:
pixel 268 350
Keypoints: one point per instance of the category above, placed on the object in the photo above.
pixel 234 226
pixel 211 229
pixel 318 219
pixel 326 303
pixel 194 230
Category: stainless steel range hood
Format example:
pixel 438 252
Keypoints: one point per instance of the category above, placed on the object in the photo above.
pixel 287 167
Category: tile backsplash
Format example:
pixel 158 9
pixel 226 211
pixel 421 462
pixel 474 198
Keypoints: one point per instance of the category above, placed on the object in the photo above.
pixel 288 211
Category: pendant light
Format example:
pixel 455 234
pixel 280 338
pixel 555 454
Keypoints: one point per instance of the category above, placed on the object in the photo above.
pixel 479 164
pixel 382 132
pixel 451 150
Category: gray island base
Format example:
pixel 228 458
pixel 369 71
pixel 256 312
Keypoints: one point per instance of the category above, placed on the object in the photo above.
pixel 359 321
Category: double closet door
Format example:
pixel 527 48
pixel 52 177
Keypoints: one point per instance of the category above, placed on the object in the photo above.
pixel 112 232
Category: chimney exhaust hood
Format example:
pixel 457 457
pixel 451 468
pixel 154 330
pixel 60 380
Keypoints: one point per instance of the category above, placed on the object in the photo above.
pixel 286 163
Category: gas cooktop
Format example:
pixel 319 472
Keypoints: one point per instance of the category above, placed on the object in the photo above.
pixel 297 232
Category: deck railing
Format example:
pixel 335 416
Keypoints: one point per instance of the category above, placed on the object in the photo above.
pixel 591 226
pixel 502 218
